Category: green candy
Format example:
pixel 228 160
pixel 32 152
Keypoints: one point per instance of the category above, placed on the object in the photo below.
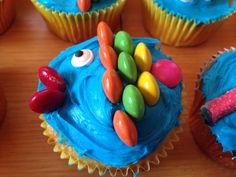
pixel 133 102
pixel 95 0
pixel 123 43
pixel 127 67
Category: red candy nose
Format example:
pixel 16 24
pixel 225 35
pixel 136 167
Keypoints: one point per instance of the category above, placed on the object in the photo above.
pixel 46 101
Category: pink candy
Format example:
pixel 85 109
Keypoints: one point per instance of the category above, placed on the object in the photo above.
pixel 219 107
pixel 168 72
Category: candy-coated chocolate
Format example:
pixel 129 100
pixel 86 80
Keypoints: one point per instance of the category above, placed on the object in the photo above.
pixel 105 34
pixel 84 5
pixel 149 88
pixel 112 85
pixel 133 102
pixel 108 56
pixel 51 78
pixel 46 100
pixel 127 67
pixel 168 72
pixel 125 128
pixel 143 57
pixel 123 43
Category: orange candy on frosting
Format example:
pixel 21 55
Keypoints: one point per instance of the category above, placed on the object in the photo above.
pixel 105 35
pixel 125 128
pixel 112 86
pixel 108 57
pixel 84 5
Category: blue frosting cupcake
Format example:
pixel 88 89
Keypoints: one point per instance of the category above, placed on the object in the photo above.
pixel 216 96
pixel 199 11
pixel 77 21
pixel 81 117
pixel 71 6
pixel 185 22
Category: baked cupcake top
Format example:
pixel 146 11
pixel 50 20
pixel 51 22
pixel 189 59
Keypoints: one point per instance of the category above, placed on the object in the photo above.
pixel 115 111
pixel 72 6
pixel 200 11
pixel 218 82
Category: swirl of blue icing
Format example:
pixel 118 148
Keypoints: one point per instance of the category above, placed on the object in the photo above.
pixel 199 11
pixel 71 6
pixel 218 80
pixel 85 120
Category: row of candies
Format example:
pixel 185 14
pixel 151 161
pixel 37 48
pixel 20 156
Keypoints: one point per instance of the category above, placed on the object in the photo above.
pixel 134 64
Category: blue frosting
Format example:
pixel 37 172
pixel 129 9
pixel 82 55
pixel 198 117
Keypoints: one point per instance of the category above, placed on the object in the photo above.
pixel 85 120
pixel 218 80
pixel 70 6
pixel 200 11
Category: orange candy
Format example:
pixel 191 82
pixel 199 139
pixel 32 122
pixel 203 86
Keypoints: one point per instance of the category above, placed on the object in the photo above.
pixel 84 5
pixel 125 128
pixel 112 86
pixel 105 35
pixel 108 57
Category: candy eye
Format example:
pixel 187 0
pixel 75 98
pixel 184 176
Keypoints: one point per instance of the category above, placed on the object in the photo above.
pixel 186 1
pixel 82 58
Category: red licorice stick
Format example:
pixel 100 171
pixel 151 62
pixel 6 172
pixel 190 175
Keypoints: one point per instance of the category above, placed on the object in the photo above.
pixel 219 107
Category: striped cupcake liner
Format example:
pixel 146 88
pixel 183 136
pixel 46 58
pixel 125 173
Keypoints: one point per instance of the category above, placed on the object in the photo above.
pixel 176 31
pixel 80 27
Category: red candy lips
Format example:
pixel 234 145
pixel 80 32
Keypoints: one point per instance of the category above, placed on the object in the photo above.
pixel 53 96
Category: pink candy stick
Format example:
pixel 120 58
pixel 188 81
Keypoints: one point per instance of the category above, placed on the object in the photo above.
pixel 217 108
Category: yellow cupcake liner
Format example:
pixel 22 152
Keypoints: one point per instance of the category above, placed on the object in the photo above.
pixel 7 14
pixel 80 27
pixel 93 166
pixel 174 30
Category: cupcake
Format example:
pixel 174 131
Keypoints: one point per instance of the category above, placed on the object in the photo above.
pixel 77 20
pixel 7 13
pixel 213 115
pixel 185 22
pixel 111 103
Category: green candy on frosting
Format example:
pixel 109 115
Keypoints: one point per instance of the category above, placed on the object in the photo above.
pixel 133 102
pixel 123 43
pixel 127 67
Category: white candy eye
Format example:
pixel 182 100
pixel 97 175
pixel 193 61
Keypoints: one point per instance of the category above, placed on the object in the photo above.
pixel 186 0
pixel 82 58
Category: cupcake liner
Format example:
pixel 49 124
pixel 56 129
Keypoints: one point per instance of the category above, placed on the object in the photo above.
pixel 174 30
pixel 200 130
pixel 7 14
pixel 79 27
pixel 93 166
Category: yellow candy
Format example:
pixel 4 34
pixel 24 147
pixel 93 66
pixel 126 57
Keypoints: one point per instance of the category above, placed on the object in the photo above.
pixel 149 88
pixel 143 57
